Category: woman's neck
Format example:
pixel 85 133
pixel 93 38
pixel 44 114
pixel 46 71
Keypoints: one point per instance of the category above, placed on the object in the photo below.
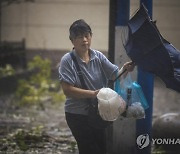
pixel 84 55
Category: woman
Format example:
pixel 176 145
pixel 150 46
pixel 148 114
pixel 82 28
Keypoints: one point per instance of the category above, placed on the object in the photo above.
pixel 96 70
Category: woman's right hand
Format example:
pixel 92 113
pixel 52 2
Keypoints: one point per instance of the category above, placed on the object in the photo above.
pixel 96 92
pixel 129 66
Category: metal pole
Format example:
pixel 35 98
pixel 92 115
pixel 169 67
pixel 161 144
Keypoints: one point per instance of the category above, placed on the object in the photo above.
pixel 122 12
pixel 146 80
pixel 112 21
pixel 123 132
pixel 0 21
pixel 111 50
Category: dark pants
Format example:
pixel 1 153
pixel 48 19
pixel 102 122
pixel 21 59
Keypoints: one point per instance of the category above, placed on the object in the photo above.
pixel 89 140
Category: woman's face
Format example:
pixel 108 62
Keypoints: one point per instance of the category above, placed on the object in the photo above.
pixel 82 42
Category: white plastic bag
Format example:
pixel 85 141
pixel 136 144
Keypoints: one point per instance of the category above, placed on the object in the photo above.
pixel 110 104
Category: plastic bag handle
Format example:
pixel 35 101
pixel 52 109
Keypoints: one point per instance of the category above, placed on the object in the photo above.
pixel 111 82
pixel 119 75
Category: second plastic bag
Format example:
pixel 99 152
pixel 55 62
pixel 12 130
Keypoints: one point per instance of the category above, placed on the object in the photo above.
pixel 132 93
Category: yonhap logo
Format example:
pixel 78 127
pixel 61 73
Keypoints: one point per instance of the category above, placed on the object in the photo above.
pixel 143 141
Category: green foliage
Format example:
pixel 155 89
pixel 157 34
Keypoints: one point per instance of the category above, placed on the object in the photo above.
pixel 25 138
pixel 73 146
pixel 159 151
pixel 165 149
pixel 19 137
pixel 36 140
pixel 44 66
pixel 39 86
pixel 8 70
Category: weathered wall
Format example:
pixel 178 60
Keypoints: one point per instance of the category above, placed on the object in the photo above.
pixel 45 23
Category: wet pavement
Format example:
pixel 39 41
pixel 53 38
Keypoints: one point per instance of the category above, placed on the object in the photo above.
pixel 53 123
pixel 50 122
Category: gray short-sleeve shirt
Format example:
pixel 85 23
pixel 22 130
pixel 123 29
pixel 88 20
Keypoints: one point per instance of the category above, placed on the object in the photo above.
pixel 95 73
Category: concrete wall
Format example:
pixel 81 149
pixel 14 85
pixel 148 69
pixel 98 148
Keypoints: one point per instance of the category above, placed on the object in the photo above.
pixel 45 23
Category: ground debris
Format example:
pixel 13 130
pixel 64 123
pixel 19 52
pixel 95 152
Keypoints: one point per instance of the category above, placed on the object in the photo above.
pixel 36 139
pixel 30 130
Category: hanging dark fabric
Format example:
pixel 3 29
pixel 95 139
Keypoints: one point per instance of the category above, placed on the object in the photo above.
pixel 151 52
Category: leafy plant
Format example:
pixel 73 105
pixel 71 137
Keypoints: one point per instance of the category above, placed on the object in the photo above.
pixel 39 86
pixel 8 70
pixel 24 138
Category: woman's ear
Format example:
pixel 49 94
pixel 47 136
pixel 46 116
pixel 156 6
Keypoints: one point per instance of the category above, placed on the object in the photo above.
pixel 71 39
pixel 72 42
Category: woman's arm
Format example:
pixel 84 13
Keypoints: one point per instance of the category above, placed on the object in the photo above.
pixel 74 92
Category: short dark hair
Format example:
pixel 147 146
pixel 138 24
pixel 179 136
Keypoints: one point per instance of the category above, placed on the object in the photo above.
pixel 79 27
